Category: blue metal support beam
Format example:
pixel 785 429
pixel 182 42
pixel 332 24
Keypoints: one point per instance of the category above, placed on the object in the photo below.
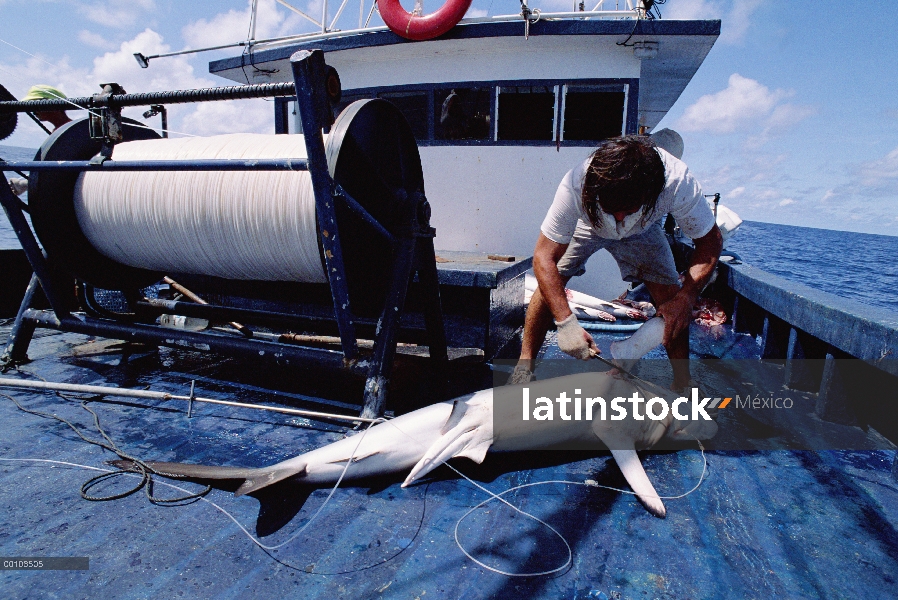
pixel 13 207
pixel 309 73
pixel 221 164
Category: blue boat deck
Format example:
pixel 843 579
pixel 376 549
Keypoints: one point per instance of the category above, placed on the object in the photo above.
pixel 790 524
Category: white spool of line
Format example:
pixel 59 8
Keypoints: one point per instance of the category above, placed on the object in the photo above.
pixel 248 225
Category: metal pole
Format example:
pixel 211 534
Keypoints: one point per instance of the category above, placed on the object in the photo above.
pixel 183 290
pixel 151 395
pixel 231 92
pixel 210 164
pixel 16 350
pixel 13 208
pixel 309 72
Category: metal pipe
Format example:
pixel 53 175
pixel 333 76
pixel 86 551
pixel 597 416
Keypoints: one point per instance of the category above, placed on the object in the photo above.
pixel 281 354
pixel 165 396
pixel 183 290
pixel 22 331
pixel 227 313
pixel 359 210
pixel 219 164
pixel 308 37
pixel 231 92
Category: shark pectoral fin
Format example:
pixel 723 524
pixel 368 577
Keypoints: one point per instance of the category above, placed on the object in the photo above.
pixel 631 467
pixel 469 444
pixel 470 435
pixel 448 446
pixel 264 477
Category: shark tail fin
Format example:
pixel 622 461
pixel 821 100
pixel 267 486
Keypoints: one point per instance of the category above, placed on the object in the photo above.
pixel 187 471
pixel 261 478
pixel 631 467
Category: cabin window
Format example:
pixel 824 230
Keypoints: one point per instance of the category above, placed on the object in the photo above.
pixel 413 106
pixel 526 113
pixel 294 122
pixel 593 112
pixel 462 113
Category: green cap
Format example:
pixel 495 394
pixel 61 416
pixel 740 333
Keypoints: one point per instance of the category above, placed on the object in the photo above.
pixel 43 92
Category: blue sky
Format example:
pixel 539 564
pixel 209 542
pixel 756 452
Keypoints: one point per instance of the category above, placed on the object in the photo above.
pixel 793 118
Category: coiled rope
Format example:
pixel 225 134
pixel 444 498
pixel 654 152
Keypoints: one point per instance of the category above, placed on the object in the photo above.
pixel 249 225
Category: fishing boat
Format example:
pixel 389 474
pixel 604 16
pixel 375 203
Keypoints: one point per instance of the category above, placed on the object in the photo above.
pixel 502 107
pixel 524 98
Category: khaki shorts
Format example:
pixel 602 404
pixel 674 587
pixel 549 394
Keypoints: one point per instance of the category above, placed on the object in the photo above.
pixel 642 257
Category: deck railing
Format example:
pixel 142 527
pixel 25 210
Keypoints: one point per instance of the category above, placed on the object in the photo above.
pixel 811 332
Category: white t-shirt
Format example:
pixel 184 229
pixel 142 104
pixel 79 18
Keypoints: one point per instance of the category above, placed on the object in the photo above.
pixel 682 197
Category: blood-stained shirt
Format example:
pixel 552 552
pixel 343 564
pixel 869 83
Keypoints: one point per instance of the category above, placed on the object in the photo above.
pixel 682 197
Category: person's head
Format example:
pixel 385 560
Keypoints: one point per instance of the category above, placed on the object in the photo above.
pixel 57 118
pixel 625 175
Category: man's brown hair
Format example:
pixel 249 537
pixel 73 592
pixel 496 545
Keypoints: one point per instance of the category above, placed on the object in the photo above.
pixel 624 173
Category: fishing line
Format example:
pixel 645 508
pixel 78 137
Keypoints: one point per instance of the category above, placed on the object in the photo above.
pixel 494 496
pixel 221 510
pixel 588 483
pixel 145 471
pixel 245 225
pixel 105 473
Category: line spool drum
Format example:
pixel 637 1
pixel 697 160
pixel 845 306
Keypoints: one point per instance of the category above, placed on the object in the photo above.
pixel 123 230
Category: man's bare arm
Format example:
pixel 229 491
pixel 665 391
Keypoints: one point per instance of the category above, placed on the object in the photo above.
pixel 545 266
pixel 677 312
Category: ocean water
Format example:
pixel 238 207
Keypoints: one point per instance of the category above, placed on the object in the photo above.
pixel 860 266
pixel 857 266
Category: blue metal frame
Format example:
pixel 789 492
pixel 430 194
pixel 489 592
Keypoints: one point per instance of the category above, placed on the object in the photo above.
pixel 219 164
pixel 412 253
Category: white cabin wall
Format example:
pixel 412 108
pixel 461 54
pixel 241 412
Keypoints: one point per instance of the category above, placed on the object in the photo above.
pixel 493 199
pixel 486 59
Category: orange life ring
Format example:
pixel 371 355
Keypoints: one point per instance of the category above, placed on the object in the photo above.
pixel 425 27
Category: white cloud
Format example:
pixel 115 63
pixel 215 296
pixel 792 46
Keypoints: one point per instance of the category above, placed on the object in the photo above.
pixel 743 102
pixel 239 116
pixel 786 115
pixel 736 192
pixel 476 12
pixel 94 40
pixel 119 66
pixel 881 174
pixel 687 10
pixel 736 15
pixel 786 202
pixel 233 26
pixel 117 14
pixel 737 22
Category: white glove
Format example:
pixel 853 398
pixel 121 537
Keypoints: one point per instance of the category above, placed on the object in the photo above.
pixel 573 339
pixel 18 185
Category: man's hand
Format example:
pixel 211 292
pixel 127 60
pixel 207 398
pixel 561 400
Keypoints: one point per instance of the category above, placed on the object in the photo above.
pixel 574 340
pixel 677 313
